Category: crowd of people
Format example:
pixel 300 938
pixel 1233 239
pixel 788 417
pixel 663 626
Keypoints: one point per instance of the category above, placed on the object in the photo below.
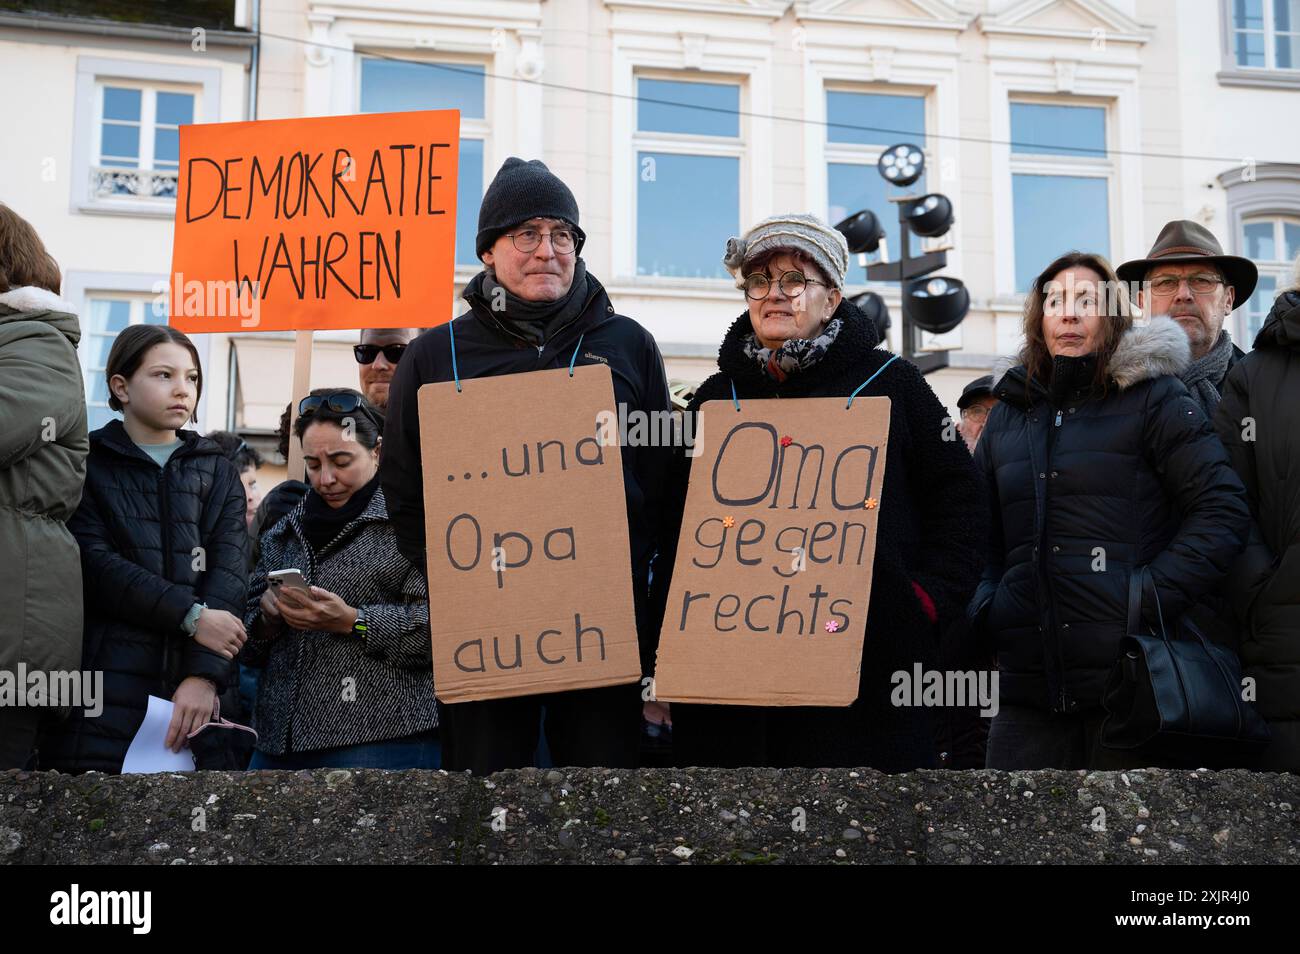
pixel 1118 475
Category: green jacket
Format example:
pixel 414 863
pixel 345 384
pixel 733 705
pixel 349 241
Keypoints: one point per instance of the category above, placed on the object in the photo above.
pixel 43 450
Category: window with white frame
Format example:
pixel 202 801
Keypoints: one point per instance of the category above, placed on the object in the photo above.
pixel 388 86
pixel 136 150
pixel 1061 181
pixel 688 146
pixel 860 125
pixel 1273 244
pixel 105 315
pixel 1265 34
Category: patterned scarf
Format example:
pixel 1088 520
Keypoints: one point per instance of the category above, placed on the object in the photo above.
pixel 795 354
pixel 1203 375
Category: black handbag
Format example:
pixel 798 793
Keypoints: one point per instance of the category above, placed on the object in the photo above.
pixel 1178 698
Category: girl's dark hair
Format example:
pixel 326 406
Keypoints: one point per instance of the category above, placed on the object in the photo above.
pixel 237 450
pixel 23 258
pixel 367 422
pixel 1116 318
pixel 133 343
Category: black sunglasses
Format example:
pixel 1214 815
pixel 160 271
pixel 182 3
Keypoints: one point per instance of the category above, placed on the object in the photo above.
pixel 341 403
pixel 366 353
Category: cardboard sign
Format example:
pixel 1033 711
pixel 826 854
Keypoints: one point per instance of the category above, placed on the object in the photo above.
pixel 530 576
pixel 769 596
pixel 334 222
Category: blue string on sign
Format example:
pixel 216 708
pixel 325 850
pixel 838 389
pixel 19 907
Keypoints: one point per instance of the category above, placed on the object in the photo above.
pixel 574 359
pixel 869 380
pixel 451 327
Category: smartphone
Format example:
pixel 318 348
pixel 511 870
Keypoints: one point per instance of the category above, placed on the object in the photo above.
pixel 291 577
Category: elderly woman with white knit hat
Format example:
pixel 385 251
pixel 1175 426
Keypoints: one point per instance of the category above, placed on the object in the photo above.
pixel 800 338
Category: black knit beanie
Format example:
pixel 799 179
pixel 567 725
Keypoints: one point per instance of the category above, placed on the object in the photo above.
pixel 522 191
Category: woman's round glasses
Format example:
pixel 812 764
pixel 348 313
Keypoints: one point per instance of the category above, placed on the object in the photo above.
pixel 758 286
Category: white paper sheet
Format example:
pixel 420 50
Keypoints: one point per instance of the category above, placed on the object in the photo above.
pixel 148 751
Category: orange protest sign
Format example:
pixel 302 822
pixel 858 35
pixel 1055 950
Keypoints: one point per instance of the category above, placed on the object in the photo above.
pixel 333 222
pixel 526 536
pixel 769 595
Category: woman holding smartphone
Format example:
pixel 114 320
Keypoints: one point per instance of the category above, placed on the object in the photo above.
pixel 344 643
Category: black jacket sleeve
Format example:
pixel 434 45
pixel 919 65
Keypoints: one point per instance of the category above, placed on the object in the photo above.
pixel 995 552
pixel 1254 568
pixel 400 470
pixel 225 580
pixel 949 494
pixel 1193 467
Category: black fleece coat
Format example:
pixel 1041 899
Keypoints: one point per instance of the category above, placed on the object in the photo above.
pixel 485 346
pixel 1261 400
pixel 931 531
pixel 1088 486
pixel 154 541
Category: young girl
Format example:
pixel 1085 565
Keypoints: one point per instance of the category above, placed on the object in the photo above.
pixel 163 556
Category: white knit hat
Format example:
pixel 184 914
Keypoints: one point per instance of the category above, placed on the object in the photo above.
pixel 797 233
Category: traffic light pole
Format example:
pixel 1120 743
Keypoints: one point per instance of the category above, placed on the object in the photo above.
pixel 903 271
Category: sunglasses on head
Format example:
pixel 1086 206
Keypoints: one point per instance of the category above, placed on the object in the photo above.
pixel 341 403
pixel 366 353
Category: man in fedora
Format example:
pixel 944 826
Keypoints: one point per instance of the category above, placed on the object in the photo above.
pixel 1187 277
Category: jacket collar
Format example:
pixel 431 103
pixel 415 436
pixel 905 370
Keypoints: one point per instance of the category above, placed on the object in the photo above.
pixel 31 298
pixel 856 339
pixel 113 436
pixel 1145 351
pixel 596 308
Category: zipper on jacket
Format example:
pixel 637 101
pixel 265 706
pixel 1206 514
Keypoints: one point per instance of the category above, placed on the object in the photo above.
pixel 1062 699
pixel 164 516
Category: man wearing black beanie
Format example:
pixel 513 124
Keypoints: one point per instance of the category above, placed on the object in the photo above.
pixel 528 308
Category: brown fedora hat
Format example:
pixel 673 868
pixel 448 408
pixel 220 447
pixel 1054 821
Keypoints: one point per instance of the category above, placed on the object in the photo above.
pixel 1182 242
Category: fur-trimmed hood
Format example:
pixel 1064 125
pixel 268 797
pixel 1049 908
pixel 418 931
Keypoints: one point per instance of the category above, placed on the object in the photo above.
pixel 1149 350
pixel 30 304
pixel 31 298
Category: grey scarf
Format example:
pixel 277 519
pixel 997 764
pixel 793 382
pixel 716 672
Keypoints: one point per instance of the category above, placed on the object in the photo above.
pixel 794 355
pixel 531 320
pixel 1203 375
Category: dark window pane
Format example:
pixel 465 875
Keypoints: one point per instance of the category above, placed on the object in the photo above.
pixel 166 146
pixel 853 188
pixel 716 113
pixel 1286 15
pixel 1042 129
pixel 687 208
pixel 1248 14
pixel 175 109
pixel 391 87
pixel 1260 303
pixel 469 196
pixel 122 142
pixel 1260 244
pixel 1288 51
pixel 120 103
pixel 1250 49
pixel 1053 214
pixel 893 119
pixel 1291 235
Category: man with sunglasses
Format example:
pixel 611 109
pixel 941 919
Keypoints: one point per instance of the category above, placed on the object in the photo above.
pixel 377 356
pixel 1187 277
pixel 535 307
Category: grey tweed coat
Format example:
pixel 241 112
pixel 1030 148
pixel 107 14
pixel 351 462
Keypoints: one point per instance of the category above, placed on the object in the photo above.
pixel 322 690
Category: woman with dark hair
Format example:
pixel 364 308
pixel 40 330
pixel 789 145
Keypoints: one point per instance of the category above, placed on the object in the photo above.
pixel 163 550
pixel 800 338
pixel 1100 466
pixel 344 647
pixel 42 467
